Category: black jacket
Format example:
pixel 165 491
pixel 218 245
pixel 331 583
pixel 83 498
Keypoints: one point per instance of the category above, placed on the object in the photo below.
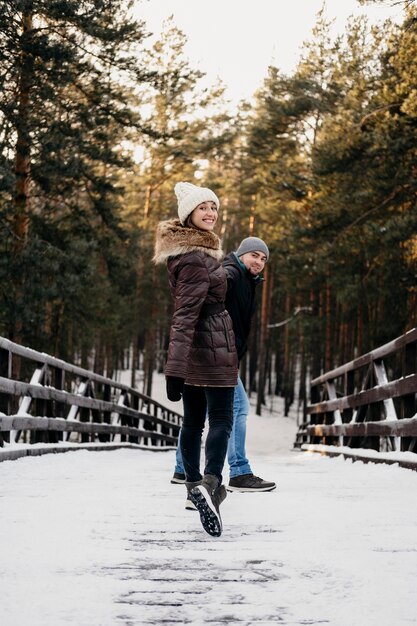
pixel 240 300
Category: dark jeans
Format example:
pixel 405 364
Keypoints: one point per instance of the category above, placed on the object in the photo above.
pixel 218 403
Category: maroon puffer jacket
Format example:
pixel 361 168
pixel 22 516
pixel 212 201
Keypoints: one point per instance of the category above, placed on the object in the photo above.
pixel 202 344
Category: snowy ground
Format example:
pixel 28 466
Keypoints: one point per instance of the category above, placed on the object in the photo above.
pixel 103 539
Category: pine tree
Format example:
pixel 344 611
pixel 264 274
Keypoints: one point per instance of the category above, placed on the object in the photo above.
pixel 68 71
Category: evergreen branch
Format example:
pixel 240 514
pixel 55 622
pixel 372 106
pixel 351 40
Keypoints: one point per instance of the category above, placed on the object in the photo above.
pixel 390 198
pixel 10 230
pixel 122 118
pixel 407 3
pixel 376 208
pixel 381 109
pixel 297 310
pixel 107 58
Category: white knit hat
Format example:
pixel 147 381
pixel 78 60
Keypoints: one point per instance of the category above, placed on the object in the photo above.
pixel 190 196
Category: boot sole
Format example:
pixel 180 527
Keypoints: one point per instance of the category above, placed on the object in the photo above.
pixel 177 481
pixel 251 490
pixel 209 517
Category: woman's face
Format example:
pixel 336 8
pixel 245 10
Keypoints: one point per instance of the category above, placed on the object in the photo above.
pixel 204 216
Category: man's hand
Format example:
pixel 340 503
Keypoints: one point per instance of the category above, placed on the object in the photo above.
pixel 175 387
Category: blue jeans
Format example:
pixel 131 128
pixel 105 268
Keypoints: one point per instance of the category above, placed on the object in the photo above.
pixel 236 454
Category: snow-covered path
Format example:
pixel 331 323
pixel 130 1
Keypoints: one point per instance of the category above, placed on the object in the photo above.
pixel 103 539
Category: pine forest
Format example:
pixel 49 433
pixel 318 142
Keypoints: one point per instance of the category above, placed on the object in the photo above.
pixel 96 127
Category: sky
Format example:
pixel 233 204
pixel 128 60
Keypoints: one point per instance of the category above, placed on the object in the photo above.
pixel 103 539
pixel 237 40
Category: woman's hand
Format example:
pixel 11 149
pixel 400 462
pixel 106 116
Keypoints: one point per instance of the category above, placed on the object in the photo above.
pixel 175 387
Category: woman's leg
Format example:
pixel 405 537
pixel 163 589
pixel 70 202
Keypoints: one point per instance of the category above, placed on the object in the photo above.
pixel 220 416
pixel 195 406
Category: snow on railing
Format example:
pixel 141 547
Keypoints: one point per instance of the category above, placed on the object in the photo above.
pixel 366 409
pixel 49 405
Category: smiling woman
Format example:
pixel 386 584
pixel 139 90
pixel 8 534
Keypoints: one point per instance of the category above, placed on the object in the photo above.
pixel 201 366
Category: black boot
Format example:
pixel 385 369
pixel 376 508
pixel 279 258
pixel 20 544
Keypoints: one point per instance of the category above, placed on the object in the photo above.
pixel 189 504
pixel 208 497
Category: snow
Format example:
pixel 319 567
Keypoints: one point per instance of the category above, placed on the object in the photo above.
pixel 103 539
pixel 395 456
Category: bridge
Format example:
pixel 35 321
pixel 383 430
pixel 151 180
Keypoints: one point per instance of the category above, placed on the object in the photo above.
pixel 100 537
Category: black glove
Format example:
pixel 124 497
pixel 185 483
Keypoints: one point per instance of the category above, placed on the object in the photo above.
pixel 174 388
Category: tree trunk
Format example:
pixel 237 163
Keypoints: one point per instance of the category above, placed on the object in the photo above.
pixel 359 342
pixel 263 351
pixel 328 356
pixel 134 362
pixel 147 206
pixel 22 166
pixel 286 386
pixel 150 345
pixel 316 336
pixel 302 389
pixel 22 157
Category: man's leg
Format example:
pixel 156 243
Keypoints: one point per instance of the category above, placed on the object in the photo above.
pixel 179 472
pixel 179 467
pixel 236 453
pixel 241 475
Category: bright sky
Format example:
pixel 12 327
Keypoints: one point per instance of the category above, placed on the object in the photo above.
pixel 237 40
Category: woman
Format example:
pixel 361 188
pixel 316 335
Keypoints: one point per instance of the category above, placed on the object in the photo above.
pixel 202 361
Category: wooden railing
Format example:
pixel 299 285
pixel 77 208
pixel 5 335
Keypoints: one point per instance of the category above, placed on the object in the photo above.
pixel 367 408
pixel 48 405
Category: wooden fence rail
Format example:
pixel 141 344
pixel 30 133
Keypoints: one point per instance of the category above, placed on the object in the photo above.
pixel 48 405
pixel 367 408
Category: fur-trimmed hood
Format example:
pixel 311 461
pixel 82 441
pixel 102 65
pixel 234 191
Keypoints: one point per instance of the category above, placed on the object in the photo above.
pixel 173 239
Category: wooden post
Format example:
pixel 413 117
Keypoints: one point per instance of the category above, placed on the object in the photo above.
pixel 6 372
pixel 408 405
pixel 58 407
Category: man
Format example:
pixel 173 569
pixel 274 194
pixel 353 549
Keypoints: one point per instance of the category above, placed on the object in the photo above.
pixel 243 269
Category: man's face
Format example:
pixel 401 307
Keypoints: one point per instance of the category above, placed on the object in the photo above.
pixel 254 262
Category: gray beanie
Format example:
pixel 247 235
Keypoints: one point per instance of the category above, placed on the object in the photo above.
pixel 252 244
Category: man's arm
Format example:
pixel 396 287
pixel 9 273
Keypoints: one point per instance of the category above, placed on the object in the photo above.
pixel 232 273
